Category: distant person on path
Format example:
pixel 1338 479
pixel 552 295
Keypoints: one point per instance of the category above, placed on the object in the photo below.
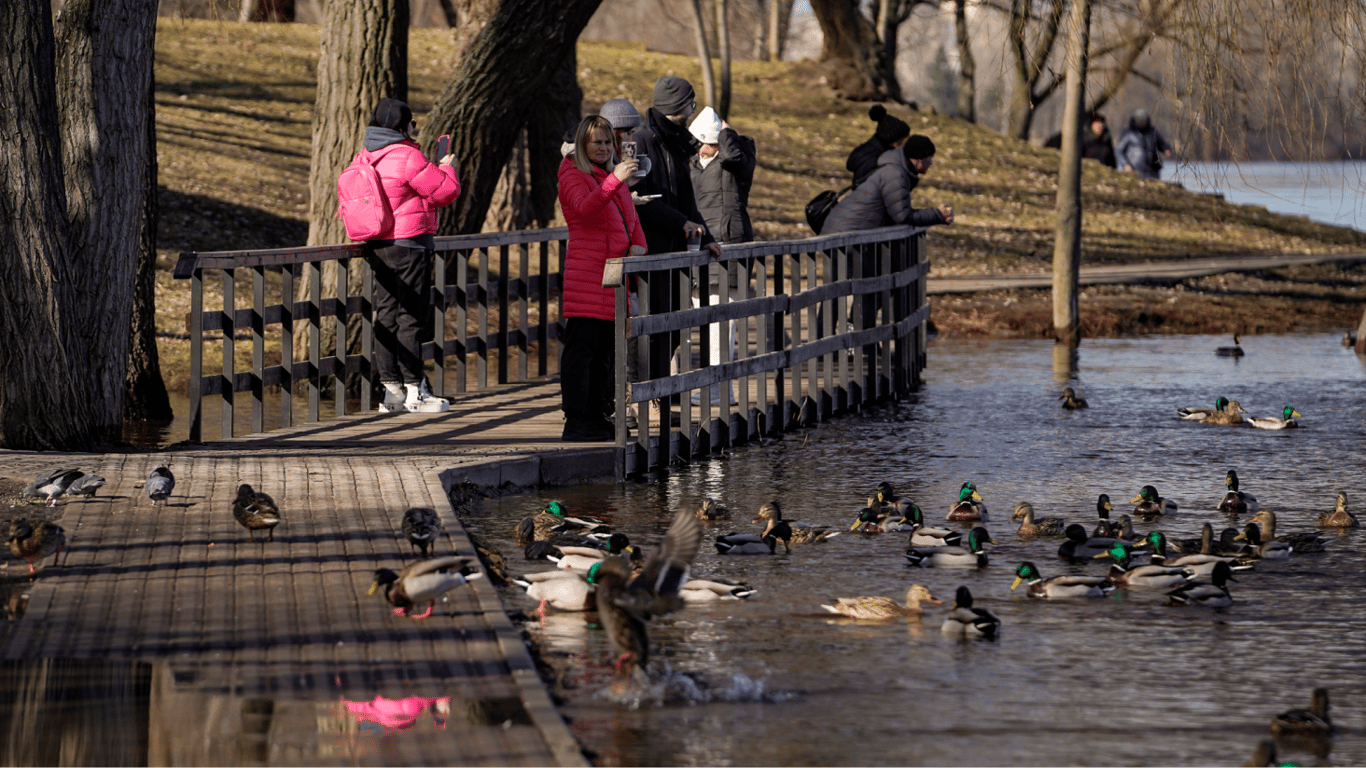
pixel 1141 148
pixel 1096 142
pixel 891 133
pixel 602 225
pixel 402 259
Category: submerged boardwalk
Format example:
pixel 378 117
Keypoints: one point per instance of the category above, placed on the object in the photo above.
pixel 254 647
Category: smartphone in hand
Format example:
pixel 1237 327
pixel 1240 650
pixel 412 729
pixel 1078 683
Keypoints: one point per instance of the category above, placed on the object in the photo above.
pixel 443 147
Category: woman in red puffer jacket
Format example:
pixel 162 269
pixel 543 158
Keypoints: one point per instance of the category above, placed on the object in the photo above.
pixel 602 225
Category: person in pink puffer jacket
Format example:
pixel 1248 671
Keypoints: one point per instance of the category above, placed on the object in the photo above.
pixel 602 225
pixel 402 258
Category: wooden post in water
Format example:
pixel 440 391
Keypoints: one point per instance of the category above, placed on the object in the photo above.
pixel 1361 335
pixel 1067 240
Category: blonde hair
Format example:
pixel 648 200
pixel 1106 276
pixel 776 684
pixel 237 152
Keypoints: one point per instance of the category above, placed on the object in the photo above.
pixel 583 135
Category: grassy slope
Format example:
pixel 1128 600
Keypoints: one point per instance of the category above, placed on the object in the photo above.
pixel 234 110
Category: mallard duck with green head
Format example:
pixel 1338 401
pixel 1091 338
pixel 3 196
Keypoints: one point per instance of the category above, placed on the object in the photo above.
pixel 969 508
pixel 582 558
pixel 1193 413
pixel 1234 351
pixel 1070 401
pixel 1079 547
pixel 965 620
pixel 1123 573
pixel 1210 594
pixel 1062 586
pixel 771 514
pixel 1231 415
pixel 1151 504
pixel 31 542
pixel 1036 526
pixel 1200 565
pixel 562 589
pixel 1313 722
pixel 1340 517
pixel 968 556
pixel 423 582
pixel 872 520
pixel 710 590
pixel 923 535
pixel 883 608
pixel 553 519
pixel 1236 501
pixel 1285 421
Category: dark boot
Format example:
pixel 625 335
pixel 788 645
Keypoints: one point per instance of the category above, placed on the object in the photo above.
pixel 587 427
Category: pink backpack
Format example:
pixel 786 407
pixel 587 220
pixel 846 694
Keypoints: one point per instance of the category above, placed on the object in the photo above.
pixel 361 202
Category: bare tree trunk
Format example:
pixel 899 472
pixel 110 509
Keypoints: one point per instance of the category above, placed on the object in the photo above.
pixel 703 52
pixel 490 95
pixel 967 65
pixel 364 58
pixel 266 10
pixel 779 18
pixel 145 396
pixel 851 55
pixel 722 103
pixel 1027 66
pixel 448 10
pixel 45 397
pixel 104 91
pixel 1067 241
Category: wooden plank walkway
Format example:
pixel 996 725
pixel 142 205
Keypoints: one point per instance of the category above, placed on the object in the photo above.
pixel 240 632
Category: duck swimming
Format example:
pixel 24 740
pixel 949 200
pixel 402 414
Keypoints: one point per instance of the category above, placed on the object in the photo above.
pixel 1340 517
pixel 1199 564
pixel 1313 722
pixel 970 556
pixel 1200 414
pixel 1151 505
pixel 710 511
pixel 966 621
pixel 562 589
pixel 1229 416
pixel 1257 547
pixel 1211 594
pixel 1234 351
pixel 1285 421
pixel 1036 526
pixel 1080 547
pixel 1235 501
pixel 969 507
pixel 882 608
pixel 925 536
pixel 1070 401
pixel 1149 576
pixel 1064 586
pixel 801 533
pixel 1302 542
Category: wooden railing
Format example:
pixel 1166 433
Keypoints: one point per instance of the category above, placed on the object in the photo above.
pixel 806 347
pixel 494 296
pixel 821 326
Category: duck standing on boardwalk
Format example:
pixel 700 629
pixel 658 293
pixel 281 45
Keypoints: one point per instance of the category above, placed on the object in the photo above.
pixel 969 507
pixel 256 511
pixel 883 608
pixel 1065 585
pixel 421 526
pixel 1235 501
pixel 32 542
pixel 424 581
pixel 626 603
pixel 1285 421
pixel 1340 517
pixel 1071 402
pixel 159 485
pixel 966 621
pixel 52 484
pixel 802 533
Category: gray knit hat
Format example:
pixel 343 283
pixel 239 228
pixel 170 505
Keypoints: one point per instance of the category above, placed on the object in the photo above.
pixel 620 114
pixel 673 94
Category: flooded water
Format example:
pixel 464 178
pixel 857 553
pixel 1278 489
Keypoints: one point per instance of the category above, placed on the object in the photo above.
pixel 1122 681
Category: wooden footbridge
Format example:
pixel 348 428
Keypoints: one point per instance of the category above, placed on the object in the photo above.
pixel 163 635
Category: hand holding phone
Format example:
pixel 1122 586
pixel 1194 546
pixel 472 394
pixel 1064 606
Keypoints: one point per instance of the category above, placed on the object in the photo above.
pixel 443 147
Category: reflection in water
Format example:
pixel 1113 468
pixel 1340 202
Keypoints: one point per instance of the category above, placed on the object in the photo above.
pixel 74 712
pixel 399 714
pixel 1176 686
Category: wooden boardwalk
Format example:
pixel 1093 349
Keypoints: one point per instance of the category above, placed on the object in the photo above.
pixel 235 629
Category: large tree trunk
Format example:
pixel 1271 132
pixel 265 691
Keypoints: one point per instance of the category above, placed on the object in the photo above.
pixel 967 65
pixel 490 95
pixel 364 58
pixel 851 53
pixel 267 10
pixel 45 395
pixel 145 396
pixel 1067 240
pixel 104 91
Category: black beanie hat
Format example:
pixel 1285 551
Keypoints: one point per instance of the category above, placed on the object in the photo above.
pixel 890 129
pixel 918 147
pixel 672 95
pixel 392 114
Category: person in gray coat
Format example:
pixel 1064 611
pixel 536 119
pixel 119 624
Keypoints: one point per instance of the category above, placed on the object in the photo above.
pixel 884 199
pixel 1141 148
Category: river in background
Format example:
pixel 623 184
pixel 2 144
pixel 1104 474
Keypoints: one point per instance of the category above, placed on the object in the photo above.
pixel 1122 681
pixel 1330 193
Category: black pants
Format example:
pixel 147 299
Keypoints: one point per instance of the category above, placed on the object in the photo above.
pixel 588 367
pixel 403 310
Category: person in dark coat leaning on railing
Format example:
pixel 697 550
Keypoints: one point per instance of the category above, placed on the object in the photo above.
pixel 891 133
pixel 884 199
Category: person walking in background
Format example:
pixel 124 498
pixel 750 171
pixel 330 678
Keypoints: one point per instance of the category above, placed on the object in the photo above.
pixel 722 172
pixel 1096 142
pixel 1141 148
pixel 401 259
pixel 602 225
pixel 891 133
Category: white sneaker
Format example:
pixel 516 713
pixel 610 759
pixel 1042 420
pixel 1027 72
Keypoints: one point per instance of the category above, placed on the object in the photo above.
pixel 394 398
pixel 421 400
